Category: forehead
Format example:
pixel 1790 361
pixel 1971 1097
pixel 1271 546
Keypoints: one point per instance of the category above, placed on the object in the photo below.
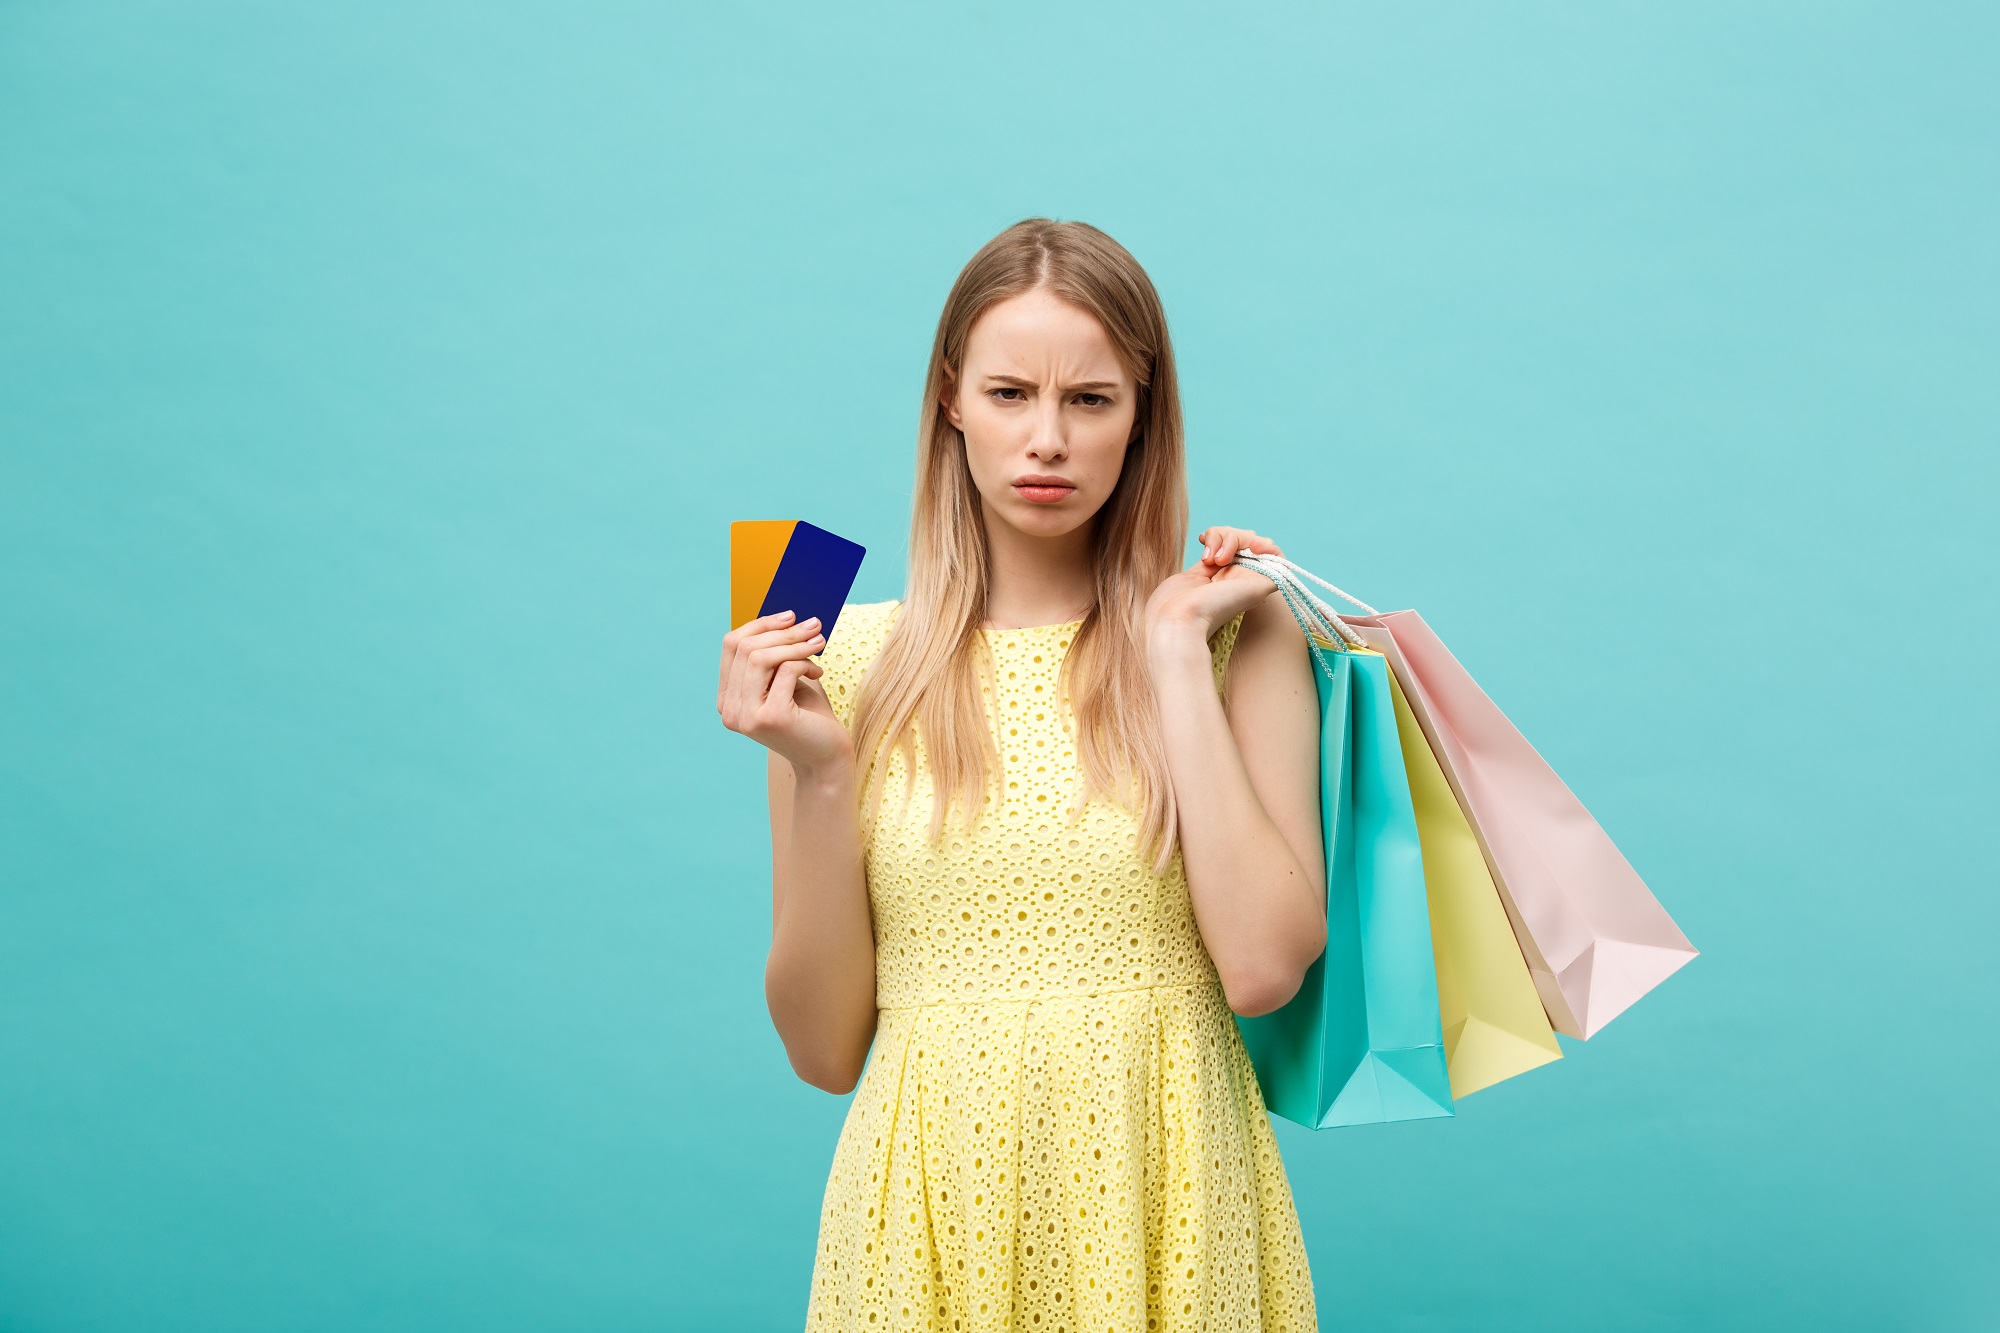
pixel 1037 334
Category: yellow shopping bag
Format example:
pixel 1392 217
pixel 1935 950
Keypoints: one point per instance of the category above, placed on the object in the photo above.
pixel 1494 1024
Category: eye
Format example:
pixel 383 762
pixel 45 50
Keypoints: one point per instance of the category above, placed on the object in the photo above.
pixel 1093 400
pixel 1003 394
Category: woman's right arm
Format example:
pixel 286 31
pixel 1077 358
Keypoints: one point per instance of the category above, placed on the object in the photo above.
pixel 819 980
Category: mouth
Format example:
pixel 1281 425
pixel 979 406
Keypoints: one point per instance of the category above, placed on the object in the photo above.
pixel 1044 490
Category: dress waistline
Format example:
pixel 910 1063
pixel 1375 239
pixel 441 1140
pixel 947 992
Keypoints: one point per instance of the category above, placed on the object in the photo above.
pixel 1046 996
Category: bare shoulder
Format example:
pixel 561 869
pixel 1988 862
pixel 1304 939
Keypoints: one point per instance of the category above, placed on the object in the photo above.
pixel 1272 702
pixel 1269 680
pixel 1269 640
pixel 1272 621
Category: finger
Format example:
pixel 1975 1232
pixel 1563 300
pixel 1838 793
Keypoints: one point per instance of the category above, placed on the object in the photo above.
pixel 784 682
pixel 798 633
pixel 762 623
pixel 733 641
pixel 729 696
pixel 750 681
pixel 1226 552
pixel 751 628
pixel 1263 585
pixel 770 657
pixel 730 653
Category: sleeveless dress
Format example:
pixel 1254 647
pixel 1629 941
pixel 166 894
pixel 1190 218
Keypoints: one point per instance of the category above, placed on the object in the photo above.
pixel 1058 1129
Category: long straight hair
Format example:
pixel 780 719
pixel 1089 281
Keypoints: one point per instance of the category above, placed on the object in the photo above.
pixel 926 682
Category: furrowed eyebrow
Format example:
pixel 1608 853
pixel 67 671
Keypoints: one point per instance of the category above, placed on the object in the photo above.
pixel 1088 386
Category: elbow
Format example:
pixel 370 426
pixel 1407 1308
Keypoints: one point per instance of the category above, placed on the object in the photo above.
pixel 835 1076
pixel 1270 984
pixel 830 1062
pixel 1263 992
pixel 826 1044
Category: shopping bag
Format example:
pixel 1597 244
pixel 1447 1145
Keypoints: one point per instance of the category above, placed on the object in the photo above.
pixel 1361 1042
pixel 1494 1026
pixel 1594 937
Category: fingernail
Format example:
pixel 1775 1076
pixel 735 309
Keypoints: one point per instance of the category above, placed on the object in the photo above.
pixel 812 621
pixel 784 615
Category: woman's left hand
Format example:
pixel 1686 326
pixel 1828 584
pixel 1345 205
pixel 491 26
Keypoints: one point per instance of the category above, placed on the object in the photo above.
pixel 1213 591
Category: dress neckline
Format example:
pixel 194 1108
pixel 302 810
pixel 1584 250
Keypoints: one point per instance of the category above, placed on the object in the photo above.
pixel 1035 629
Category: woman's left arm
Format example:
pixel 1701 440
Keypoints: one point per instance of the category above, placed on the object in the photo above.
pixel 1246 777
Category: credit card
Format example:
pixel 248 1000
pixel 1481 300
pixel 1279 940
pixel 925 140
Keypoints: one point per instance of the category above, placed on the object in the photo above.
pixel 789 565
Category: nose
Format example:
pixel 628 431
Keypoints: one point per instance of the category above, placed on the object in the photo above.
pixel 1049 442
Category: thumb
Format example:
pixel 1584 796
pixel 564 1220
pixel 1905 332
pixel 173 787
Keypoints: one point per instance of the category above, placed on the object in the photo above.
pixel 785 681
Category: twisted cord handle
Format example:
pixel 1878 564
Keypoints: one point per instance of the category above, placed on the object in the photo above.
pixel 1309 618
pixel 1315 617
pixel 1300 572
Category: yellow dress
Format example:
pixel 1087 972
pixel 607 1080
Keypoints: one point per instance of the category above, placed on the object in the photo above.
pixel 1058 1130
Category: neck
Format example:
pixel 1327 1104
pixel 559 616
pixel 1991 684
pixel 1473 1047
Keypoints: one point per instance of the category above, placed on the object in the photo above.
pixel 1037 580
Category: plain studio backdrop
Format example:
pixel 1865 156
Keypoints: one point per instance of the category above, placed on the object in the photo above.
pixel 382 906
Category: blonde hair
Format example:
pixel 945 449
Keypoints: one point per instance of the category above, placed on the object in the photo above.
pixel 926 680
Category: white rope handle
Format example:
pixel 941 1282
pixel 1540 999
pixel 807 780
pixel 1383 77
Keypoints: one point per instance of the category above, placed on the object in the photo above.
pixel 1282 572
pixel 1307 615
pixel 1315 617
pixel 1301 572
pixel 1325 615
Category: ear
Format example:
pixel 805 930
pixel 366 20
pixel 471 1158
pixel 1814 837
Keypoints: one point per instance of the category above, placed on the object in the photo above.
pixel 949 399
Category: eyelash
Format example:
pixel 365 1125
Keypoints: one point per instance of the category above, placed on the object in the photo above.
pixel 1097 399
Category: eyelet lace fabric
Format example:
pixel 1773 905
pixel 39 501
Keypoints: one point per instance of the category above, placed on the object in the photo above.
pixel 1058 1130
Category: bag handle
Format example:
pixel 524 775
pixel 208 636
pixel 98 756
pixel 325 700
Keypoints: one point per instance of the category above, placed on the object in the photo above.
pixel 1315 617
pixel 1298 572
pixel 1310 620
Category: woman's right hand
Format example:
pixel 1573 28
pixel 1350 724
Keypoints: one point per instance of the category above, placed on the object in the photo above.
pixel 769 692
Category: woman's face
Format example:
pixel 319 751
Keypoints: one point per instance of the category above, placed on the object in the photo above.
pixel 1047 409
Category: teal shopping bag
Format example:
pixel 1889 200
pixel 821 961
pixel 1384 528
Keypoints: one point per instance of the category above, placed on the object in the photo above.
pixel 1361 1042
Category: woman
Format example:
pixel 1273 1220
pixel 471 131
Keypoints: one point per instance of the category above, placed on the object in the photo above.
pixel 1026 848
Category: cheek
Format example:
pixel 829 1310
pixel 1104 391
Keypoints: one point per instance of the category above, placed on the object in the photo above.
pixel 989 444
pixel 1102 450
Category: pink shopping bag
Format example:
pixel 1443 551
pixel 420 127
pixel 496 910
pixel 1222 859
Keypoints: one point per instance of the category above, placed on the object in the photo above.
pixel 1594 936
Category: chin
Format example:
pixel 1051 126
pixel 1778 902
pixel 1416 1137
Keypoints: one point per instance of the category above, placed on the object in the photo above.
pixel 1047 520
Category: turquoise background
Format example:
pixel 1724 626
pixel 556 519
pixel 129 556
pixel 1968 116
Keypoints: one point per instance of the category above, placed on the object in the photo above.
pixel 382 907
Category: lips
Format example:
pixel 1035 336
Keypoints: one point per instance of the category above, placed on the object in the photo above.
pixel 1043 490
